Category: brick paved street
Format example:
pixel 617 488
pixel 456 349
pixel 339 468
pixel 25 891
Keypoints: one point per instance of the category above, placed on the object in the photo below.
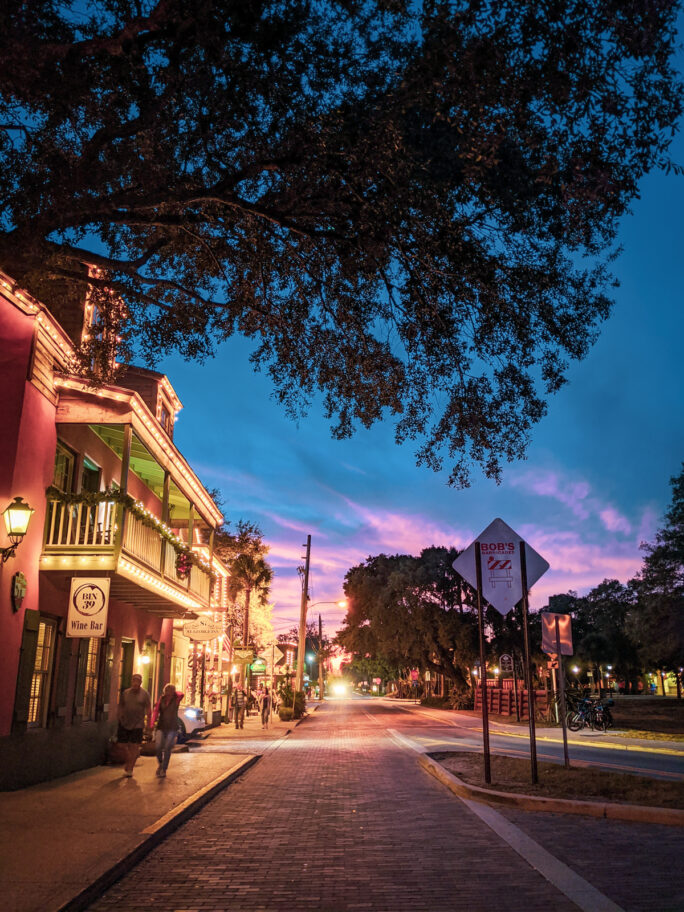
pixel 340 818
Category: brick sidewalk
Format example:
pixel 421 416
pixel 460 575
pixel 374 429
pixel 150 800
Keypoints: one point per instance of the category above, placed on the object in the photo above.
pixel 60 836
pixel 338 818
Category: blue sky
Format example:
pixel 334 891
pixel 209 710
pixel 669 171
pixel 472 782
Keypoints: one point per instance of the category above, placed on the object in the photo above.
pixel 594 485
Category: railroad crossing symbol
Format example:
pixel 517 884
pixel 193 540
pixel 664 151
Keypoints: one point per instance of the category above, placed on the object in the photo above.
pixel 501 574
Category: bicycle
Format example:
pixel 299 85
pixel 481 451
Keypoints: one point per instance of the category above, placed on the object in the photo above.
pixel 594 714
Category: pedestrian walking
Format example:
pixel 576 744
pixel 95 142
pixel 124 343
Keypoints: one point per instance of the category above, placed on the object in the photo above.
pixel 239 706
pixel 134 708
pixel 265 706
pixel 165 717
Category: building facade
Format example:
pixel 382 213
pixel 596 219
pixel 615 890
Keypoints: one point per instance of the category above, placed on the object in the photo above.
pixel 121 525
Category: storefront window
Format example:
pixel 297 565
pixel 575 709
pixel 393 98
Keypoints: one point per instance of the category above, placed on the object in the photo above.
pixel 91 666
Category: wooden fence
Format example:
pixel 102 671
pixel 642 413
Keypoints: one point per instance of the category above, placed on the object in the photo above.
pixel 501 701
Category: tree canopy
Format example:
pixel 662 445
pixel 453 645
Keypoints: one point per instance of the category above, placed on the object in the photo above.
pixel 409 208
pixel 656 623
pixel 403 612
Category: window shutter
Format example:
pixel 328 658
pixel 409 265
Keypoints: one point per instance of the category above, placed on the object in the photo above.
pixel 80 676
pixel 27 661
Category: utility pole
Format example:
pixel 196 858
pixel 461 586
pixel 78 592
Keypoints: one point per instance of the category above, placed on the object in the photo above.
pixel 320 659
pixel 245 637
pixel 301 648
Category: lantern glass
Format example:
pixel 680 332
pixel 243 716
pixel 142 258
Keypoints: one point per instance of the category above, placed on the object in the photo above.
pixel 17 516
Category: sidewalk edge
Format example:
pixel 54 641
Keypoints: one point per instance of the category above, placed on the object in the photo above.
pixel 630 812
pixel 172 821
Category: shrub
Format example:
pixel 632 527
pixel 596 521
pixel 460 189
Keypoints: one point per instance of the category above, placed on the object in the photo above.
pixel 286 713
pixel 462 699
pixel 287 696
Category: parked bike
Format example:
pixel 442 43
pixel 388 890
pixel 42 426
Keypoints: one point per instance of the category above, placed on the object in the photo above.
pixel 594 714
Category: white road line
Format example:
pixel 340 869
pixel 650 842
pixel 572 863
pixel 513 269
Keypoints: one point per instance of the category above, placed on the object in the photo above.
pixel 576 888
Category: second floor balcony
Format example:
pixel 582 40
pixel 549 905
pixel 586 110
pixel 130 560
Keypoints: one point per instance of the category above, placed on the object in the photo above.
pixel 149 565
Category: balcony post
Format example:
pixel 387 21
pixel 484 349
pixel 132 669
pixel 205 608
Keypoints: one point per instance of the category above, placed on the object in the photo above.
pixel 191 533
pixel 165 518
pixel 123 485
pixel 211 563
pixel 126 458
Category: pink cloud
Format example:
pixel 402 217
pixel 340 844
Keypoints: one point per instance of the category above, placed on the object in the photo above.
pixel 284 523
pixel 576 496
pixel 550 484
pixel 578 564
pixel 401 533
pixel 614 521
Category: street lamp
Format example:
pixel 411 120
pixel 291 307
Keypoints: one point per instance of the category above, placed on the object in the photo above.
pixel 16 516
pixel 342 603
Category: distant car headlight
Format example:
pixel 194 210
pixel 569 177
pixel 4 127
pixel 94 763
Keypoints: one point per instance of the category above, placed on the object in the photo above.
pixel 339 690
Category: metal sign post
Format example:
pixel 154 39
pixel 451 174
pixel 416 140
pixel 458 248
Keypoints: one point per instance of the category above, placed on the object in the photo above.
pixel 503 582
pixel 528 666
pixel 561 680
pixel 483 669
pixel 515 686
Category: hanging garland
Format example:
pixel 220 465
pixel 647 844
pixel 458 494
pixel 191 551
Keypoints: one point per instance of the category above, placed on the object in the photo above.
pixel 185 556
pixel 183 565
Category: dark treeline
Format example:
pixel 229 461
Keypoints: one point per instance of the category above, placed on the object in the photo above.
pixel 410 612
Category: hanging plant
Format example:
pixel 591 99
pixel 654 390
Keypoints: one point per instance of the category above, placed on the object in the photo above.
pixel 183 564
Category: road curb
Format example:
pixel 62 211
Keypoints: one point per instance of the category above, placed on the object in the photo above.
pixel 630 812
pixel 155 834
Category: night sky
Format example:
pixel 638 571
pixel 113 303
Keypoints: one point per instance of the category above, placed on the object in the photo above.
pixel 595 483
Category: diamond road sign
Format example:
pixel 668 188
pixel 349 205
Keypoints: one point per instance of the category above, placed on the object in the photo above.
pixel 501 576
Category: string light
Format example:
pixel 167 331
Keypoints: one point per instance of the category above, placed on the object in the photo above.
pixel 131 571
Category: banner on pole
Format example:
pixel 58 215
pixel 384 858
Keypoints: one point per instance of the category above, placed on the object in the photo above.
pixel 548 619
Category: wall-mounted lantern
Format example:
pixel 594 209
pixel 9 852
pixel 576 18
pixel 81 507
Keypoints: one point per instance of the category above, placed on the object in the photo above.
pixel 16 516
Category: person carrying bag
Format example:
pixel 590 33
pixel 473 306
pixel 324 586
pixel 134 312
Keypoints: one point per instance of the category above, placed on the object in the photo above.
pixel 165 720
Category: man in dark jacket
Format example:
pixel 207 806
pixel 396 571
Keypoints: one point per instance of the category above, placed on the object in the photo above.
pixel 239 706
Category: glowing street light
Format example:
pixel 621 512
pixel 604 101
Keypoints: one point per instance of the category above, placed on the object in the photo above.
pixel 17 516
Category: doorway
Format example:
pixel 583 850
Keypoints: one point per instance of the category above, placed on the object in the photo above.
pixel 126 664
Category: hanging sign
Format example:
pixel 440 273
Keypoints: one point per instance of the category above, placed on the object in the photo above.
pixel 500 555
pixel 548 619
pixel 259 665
pixel 202 629
pixel 88 605
pixel 243 656
pixel 506 662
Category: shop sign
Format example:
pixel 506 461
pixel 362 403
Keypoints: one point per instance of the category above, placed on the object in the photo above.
pixel 202 629
pixel 88 606
pixel 258 666
pixel 243 656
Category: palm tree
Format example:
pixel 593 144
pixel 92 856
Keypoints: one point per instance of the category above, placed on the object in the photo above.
pixel 249 574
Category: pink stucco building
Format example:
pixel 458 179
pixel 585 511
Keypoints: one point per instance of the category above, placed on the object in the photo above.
pixel 114 501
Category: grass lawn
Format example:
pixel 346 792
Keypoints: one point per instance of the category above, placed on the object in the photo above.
pixel 512 774
pixel 653 718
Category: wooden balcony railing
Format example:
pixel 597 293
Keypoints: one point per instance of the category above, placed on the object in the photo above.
pixel 80 525
pixel 109 527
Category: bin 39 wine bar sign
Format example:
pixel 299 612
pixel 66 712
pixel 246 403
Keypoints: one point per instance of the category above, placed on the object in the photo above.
pixel 88 606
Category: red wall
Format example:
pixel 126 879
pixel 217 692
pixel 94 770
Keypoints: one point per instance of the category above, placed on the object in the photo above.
pixel 27 455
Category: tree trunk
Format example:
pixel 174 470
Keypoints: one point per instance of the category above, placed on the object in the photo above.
pixel 245 636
